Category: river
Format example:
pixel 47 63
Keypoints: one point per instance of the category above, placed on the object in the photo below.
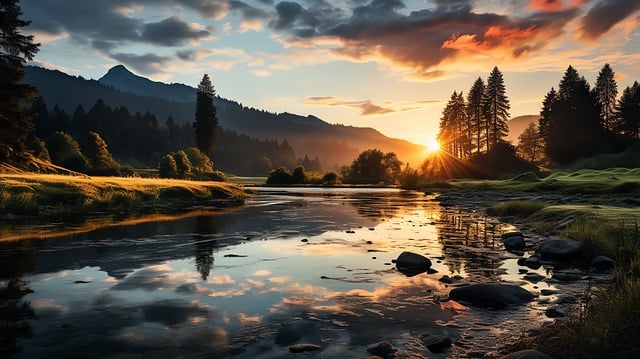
pixel 302 265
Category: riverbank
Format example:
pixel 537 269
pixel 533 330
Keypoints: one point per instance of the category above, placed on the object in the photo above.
pixel 24 195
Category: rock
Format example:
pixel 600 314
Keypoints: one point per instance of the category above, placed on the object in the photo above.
pixel 411 264
pixel 567 277
pixel 303 347
pixel 512 234
pixel 532 262
pixel 382 349
pixel 559 249
pixel 566 298
pixel 492 295
pixel 603 263
pixel 555 312
pixel 526 354
pixel 533 277
pixel 513 242
pixel 435 343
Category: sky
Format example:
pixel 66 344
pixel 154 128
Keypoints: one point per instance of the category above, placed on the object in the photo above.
pixel 387 64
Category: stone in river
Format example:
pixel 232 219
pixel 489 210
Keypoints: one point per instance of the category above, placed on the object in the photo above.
pixel 491 295
pixel 382 349
pixel 300 348
pixel 410 263
pixel 526 354
pixel 603 263
pixel 513 240
pixel 435 343
pixel 559 249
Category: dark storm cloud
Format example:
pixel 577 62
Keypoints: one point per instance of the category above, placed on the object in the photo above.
pixel 172 31
pixel 422 39
pixel 147 64
pixel 248 12
pixel 605 14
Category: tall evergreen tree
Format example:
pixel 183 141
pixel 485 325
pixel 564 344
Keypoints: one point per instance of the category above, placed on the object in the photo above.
pixel 574 130
pixel 15 50
pixel 606 91
pixel 546 117
pixel 453 130
pixel 496 108
pixel 475 113
pixel 627 114
pixel 206 121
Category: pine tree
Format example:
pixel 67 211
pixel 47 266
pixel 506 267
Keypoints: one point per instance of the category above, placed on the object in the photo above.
pixel 546 117
pixel 206 121
pixel 627 112
pixel 475 113
pixel 15 50
pixel 453 131
pixel 529 144
pixel 606 91
pixel 100 159
pixel 496 108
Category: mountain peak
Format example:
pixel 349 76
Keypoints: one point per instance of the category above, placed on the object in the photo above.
pixel 118 71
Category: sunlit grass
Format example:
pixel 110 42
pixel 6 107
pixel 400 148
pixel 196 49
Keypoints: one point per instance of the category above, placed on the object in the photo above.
pixel 516 208
pixel 38 193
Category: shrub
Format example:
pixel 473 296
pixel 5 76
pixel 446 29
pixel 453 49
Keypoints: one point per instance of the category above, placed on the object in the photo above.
pixel 330 178
pixel 280 175
pixel 168 167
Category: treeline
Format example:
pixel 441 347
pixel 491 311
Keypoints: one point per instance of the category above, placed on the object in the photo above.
pixel 140 140
pixel 576 121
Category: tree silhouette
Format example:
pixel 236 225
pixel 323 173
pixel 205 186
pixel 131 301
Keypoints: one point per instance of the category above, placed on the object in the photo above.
pixel 15 50
pixel 168 167
pixel 65 152
pixel 546 117
pixel 475 112
pixel 374 166
pixel 529 144
pixel 627 112
pixel 571 128
pixel 453 127
pixel 606 91
pixel 496 108
pixel 206 121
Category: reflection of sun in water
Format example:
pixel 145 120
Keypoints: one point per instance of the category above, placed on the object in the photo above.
pixel 432 145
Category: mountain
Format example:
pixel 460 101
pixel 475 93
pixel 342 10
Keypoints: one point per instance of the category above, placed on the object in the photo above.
pixel 335 145
pixel 517 125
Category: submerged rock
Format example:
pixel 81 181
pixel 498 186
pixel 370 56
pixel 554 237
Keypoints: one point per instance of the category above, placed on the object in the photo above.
pixel 410 263
pixel 559 249
pixel 526 354
pixel 303 347
pixel 491 295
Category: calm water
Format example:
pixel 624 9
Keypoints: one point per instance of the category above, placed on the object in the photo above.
pixel 292 266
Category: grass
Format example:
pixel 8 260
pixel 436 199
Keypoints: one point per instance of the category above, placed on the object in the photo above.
pixel 516 208
pixel 612 181
pixel 42 194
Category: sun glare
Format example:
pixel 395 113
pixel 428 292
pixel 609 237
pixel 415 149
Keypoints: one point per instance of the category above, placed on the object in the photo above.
pixel 433 145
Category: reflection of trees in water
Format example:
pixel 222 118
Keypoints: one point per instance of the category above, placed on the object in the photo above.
pixel 469 238
pixel 385 205
pixel 205 226
pixel 13 314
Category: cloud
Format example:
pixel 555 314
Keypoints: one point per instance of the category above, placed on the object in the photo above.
pixel 172 31
pixel 147 64
pixel 423 41
pixel 367 107
pixel 604 15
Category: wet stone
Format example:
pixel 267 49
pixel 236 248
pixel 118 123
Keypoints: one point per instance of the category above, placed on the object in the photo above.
pixel 491 295
pixel 436 343
pixel 555 312
pixel 382 349
pixel 603 263
pixel 303 347
pixel 559 249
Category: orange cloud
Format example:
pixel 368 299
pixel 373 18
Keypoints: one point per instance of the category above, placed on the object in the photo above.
pixel 555 5
pixel 367 107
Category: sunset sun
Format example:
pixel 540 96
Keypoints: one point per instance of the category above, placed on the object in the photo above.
pixel 432 145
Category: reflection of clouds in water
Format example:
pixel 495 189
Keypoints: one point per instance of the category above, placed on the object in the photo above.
pixel 261 273
pixel 48 304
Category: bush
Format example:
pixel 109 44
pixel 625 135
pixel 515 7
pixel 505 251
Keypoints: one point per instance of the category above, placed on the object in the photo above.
pixel 168 167
pixel 280 175
pixel 330 178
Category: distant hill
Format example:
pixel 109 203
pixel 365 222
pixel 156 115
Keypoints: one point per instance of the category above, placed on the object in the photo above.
pixel 517 126
pixel 335 145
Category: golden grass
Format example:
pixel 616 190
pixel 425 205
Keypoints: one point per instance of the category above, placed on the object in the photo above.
pixel 27 193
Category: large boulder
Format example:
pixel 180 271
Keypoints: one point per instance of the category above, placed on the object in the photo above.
pixel 526 354
pixel 383 349
pixel 410 263
pixel 435 343
pixel 491 295
pixel 559 249
pixel 603 263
